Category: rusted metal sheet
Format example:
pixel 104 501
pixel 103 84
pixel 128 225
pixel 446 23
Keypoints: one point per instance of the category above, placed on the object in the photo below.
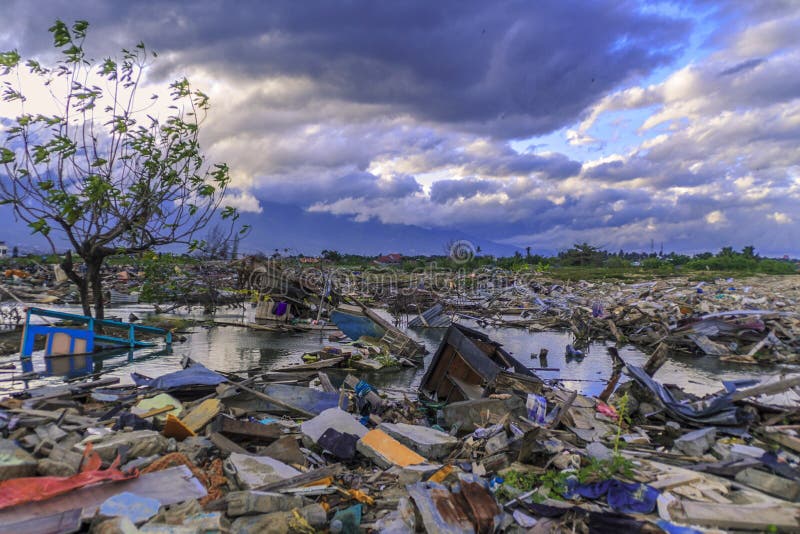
pixel 481 506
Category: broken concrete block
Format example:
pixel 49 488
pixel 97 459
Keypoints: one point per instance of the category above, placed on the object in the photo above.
pixel 770 484
pixel 196 448
pixel 59 453
pixel 285 449
pixel 414 473
pixel 260 502
pixel 205 522
pixel 50 432
pixel 332 418
pixel 138 443
pixel 52 468
pixel 497 443
pixel 386 451
pixel 255 471
pixel 280 522
pixel 742 452
pixel 599 451
pixel 114 525
pixel 400 521
pixel 15 462
pixel 476 413
pixel 697 442
pixel 428 442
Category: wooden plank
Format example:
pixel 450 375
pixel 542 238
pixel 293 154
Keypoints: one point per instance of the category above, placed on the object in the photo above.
pixel 470 391
pixel 790 442
pixel 228 425
pixel 674 481
pixel 315 366
pixel 61 523
pixel 325 382
pixel 766 389
pixel 564 409
pixel 740 517
pixel 656 360
pixel 225 445
pixel 302 479
pixel 272 400
pixel 374 399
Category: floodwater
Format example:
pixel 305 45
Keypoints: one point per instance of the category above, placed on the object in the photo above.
pixel 227 348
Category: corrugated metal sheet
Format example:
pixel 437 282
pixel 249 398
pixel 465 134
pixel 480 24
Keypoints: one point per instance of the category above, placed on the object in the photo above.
pixel 431 318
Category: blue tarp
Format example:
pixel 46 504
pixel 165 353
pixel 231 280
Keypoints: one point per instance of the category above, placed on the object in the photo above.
pixel 624 497
pixel 310 400
pixel 196 375
pixel 356 326
pixel 718 410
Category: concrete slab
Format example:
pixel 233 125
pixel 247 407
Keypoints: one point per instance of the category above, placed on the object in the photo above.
pixel 332 418
pixel 15 462
pixel 697 442
pixel 428 442
pixel 386 451
pixel 255 471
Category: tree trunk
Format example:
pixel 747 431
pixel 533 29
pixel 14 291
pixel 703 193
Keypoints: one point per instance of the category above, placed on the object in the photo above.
pixel 83 286
pixel 93 266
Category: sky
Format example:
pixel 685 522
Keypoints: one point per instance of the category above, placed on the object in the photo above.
pixel 627 125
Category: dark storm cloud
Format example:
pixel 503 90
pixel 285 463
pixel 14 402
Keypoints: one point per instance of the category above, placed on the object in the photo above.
pixel 444 191
pixel 743 66
pixel 510 68
pixel 356 185
pixel 510 163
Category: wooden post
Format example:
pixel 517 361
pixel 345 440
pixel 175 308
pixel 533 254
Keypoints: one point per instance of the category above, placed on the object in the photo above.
pixel 656 360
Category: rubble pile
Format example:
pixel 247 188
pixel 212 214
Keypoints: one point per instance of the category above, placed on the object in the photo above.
pixel 754 320
pixel 202 451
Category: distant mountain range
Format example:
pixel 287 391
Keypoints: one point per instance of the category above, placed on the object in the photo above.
pixel 284 226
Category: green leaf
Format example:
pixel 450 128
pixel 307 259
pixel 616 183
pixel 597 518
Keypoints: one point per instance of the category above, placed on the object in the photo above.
pixel 109 68
pixel 79 28
pixel 60 33
pixel 8 61
pixel 7 156
pixel 40 226
pixel 40 154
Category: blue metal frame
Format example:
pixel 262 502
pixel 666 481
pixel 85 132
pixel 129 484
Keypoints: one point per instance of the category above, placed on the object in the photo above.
pixel 30 331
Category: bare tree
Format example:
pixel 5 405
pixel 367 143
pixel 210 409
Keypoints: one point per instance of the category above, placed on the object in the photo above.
pixel 108 172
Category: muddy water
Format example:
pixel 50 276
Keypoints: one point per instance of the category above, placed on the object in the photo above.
pixel 234 348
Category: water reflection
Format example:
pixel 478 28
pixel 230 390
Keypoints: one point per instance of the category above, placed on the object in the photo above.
pixel 228 348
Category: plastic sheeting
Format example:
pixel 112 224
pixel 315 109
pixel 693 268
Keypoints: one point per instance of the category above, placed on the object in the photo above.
pixel 196 375
pixel 30 489
pixel 624 497
pixel 718 410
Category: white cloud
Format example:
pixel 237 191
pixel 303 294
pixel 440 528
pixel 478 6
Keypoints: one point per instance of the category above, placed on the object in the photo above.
pixel 716 217
pixel 243 201
pixel 780 218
